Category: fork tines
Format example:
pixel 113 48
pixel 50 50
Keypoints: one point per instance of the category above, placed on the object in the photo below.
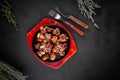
pixel 52 13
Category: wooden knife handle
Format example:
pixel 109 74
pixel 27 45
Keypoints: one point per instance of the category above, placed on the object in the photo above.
pixel 80 32
pixel 84 25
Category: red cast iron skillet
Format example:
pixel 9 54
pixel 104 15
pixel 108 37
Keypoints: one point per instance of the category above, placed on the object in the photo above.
pixel 71 50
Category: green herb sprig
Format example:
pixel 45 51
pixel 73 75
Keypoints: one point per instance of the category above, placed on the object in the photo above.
pixel 6 9
pixel 8 72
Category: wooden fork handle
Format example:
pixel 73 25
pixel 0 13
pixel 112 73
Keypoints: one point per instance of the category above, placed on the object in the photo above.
pixel 80 32
pixel 84 25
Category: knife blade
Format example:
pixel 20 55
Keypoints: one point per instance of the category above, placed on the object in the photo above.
pixel 69 16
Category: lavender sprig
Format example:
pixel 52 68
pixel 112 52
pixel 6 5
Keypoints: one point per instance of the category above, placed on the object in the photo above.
pixel 87 8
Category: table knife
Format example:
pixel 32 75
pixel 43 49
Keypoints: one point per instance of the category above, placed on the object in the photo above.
pixel 69 16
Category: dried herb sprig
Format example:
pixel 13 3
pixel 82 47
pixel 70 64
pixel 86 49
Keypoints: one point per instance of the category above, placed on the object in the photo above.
pixel 6 9
pixel 87 8
pixel 8 72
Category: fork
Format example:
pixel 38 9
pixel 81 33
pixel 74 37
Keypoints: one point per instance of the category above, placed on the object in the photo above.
pixel 57 16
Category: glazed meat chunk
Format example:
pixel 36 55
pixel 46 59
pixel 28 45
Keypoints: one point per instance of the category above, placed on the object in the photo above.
pixel 51 43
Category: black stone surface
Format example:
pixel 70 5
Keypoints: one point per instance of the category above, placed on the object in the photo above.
pixel 98 52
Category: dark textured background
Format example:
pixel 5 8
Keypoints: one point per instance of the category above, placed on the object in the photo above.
pixel 98 52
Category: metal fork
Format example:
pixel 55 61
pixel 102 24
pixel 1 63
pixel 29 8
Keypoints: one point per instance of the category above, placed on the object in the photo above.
pixel 57 16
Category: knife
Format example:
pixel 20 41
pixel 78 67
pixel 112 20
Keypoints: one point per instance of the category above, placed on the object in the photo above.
pixel 69 16
pixel 57 16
